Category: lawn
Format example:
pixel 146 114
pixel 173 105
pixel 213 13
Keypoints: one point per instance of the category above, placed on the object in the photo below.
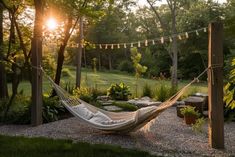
pixel 102 80
pixel 43 147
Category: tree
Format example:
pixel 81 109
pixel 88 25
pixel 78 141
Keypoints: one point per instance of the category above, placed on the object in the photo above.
pixel 173 7
pixel 139 69
pixel 3 82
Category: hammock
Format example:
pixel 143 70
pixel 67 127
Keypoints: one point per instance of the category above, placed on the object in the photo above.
pixel 121 122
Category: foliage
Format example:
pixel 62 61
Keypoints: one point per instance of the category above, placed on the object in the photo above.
pixel 83 93
pixel 147 91
pixel 229 94
pixel 69 87
pixel 119 91
pixel 162 92
pixel 19 112
pixel 125 106
pixel 189 111
pixel 139 69
pixel 36 147
pixel 136 57
pixel 197 127
pixel 126 66
pixel 66 72
pixel 52 109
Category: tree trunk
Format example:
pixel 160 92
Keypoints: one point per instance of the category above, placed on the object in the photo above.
pixel 79 54
pixel 60 59
pixel 174 50
pixel 3 80
pixel 110 61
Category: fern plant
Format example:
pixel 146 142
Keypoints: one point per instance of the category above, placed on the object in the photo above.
pixel 229 94
pixel 229 88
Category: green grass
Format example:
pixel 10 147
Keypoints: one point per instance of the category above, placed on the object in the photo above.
pixel 102 80
pixel 43 147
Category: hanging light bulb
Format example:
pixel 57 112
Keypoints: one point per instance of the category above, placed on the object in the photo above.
pixel 100 46
pixel 125 45
pixel 170 39
pixel 118 46
pixel 197 33
pixel 106 46
pixel 179 36
pixel 131 44
pixel 204 29
pixel 153 42
pixel 112 46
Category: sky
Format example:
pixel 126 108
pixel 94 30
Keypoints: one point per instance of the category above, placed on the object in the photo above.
pixel 144 2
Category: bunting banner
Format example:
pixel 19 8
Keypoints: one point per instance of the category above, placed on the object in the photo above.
pixel 146 42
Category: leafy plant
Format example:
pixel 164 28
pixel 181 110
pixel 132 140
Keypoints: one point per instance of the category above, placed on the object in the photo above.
pixel 162 92
pixel 197 127
pixel 229 94
pixel 69 87
pixel 147 91
pixel 51 109
pixel 83 93
pixel 126 66
pixel 189 111
pixel 119 91
pixel 139 69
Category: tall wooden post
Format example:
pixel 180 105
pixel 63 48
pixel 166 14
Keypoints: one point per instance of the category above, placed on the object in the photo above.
pixel 215 86
pixel 36 110
pixel 79 54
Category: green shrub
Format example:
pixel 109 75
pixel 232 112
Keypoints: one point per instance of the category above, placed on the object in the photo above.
pixel 83 93
pixel 125 106
pixel 197 127
pixel 69 87
pixel 119 91
pixel 147 91
pixel 189 110
pixel 19 112
pixel 97 92
pixel 52 109
pixel 126 66
pixel 162 92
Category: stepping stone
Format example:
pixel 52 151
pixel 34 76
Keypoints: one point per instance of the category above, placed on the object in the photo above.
pixel 144 102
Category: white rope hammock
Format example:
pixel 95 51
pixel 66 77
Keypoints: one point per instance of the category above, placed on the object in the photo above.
pixel 121 122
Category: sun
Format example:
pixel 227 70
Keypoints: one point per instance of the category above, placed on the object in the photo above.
pixel 51 23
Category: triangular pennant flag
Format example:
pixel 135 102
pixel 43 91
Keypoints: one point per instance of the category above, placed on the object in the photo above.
pixel 162 40
pixel 138 43
pixel 197 33
pixel 179 36
pixel 125 45
pixel 204 29
pixel 186 35
pixel 100 46
pixel 146 43
pixel 170 39
pixel 118 46
pixel 153 42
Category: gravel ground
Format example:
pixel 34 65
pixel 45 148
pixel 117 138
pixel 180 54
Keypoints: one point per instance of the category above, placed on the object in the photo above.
pixel 168 136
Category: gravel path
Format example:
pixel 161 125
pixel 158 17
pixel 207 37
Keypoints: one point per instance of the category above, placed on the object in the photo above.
pixel 169 136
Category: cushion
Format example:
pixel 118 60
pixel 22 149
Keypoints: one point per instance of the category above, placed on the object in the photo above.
pixel 83 111
pixel 99 117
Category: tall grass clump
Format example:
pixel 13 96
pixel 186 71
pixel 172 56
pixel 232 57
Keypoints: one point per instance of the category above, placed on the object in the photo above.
pixel 147 91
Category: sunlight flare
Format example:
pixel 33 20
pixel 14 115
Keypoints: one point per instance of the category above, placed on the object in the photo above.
pixel 51 24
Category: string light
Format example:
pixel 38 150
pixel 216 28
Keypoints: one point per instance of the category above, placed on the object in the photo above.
pixel 186 35
pixel 153 42
pixel 138 43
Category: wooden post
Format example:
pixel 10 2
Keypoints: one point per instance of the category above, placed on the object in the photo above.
pixel 79 54
pixel 215 86
pixel 36 58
